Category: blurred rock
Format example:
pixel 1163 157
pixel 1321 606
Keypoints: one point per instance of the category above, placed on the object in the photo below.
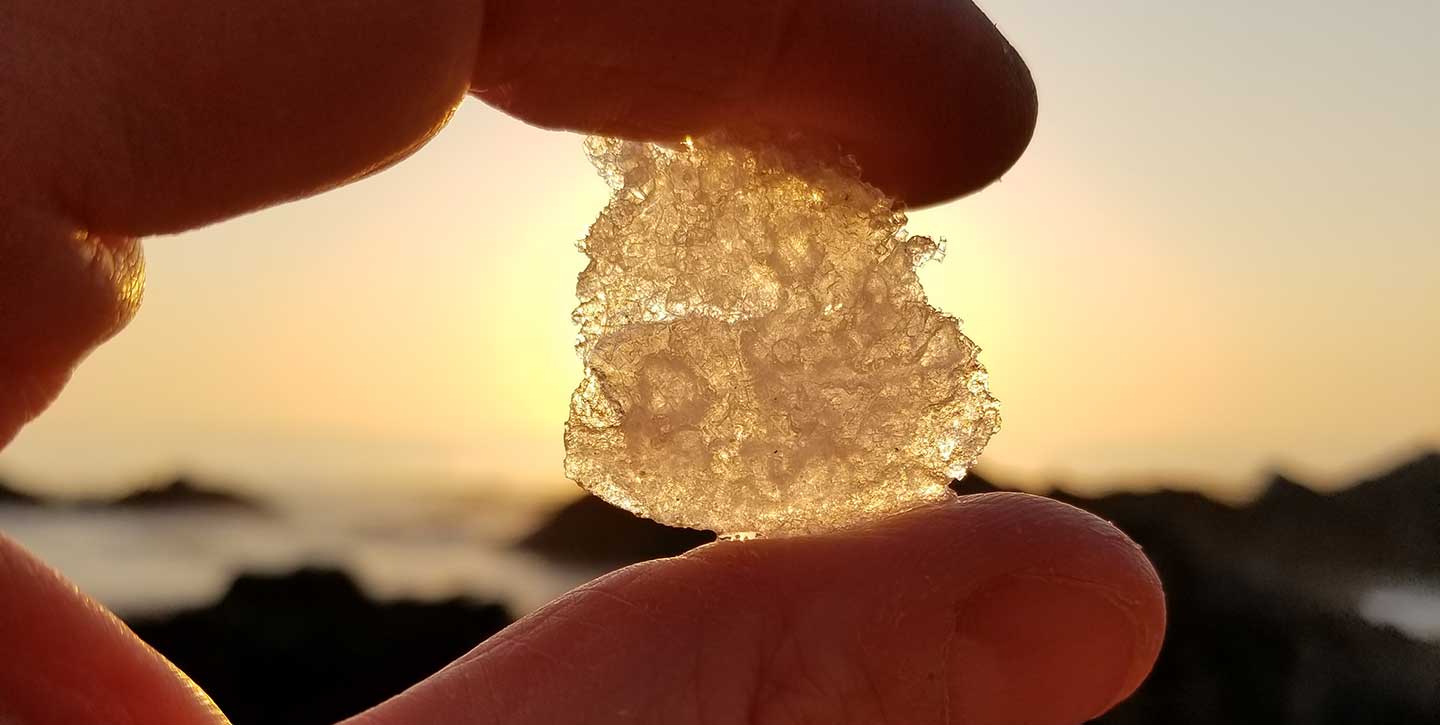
pixel 590 531
pixel 15 497
pixel 1237 653
pixel 182 492
pixel 310 648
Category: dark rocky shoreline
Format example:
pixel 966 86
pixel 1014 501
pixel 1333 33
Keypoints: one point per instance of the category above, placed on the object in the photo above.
pixel 1261 601
pixel 180 492
pixel 310 648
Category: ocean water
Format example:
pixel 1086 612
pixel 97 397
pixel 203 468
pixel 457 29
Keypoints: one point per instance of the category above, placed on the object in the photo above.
pixel 396 546
pixel 1413 608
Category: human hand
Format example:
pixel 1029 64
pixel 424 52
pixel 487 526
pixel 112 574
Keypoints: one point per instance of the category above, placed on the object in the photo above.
pixel 123 119
pixel 1001 608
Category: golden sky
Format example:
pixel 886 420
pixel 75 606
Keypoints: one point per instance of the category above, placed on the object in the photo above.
pixel 1221 254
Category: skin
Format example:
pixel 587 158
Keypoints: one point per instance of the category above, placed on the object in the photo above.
pixel 126 118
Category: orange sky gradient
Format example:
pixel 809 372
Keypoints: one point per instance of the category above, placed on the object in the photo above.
pixel 1220 254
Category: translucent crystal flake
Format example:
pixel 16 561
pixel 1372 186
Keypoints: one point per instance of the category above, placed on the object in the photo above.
pixel 759 355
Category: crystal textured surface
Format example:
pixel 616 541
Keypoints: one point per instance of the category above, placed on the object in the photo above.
pixel 759 355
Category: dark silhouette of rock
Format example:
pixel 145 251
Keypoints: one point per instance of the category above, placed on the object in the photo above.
pixel 1394 517
pixel 1283 493
pixel 974 482
pixel 1389 523
pixel 13 497
pixel 309 647
pixel 1240 653
pixel 178 493
pixel 183 492
pixel 591 531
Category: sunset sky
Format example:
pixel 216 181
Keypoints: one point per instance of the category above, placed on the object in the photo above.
pixel 1220 254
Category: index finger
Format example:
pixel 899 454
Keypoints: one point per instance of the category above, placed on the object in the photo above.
pixel 162 115
pixel 927 94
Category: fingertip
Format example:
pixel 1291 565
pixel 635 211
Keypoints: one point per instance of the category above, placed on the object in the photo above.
pixel 930 98
pixel 1047 613
pixel 63 291
pixel 1070 625
pixel 939 105
pixel 980 131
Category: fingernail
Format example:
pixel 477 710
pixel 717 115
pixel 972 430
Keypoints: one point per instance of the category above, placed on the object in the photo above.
pixel 1058 650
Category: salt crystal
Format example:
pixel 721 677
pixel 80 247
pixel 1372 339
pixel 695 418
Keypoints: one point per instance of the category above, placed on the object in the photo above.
pixel 760 358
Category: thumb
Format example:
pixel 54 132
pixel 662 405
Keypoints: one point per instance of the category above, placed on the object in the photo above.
pixel 67 660
pixel 990 609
